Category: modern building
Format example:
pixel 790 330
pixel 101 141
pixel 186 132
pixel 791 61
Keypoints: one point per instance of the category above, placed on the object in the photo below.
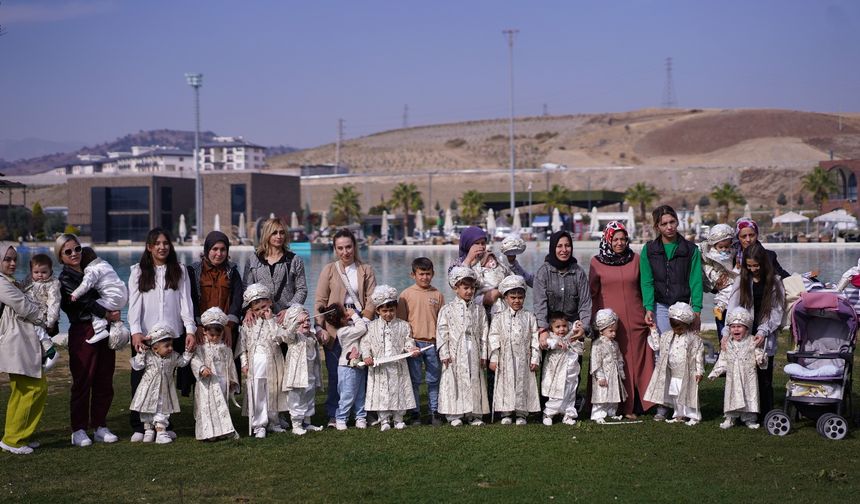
pixel 232 153
pixel 229 194
pixel 152 159
pixel 845 173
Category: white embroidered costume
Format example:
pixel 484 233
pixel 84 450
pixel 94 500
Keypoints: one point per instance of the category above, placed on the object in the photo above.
pixel 302 374
pixel 513 347
pixel 47 294
pixel 113 295
pixel 738 361
pixel 389 387
pixel 560 377
pixel 211 412
pixel 607 364
pixel 156 397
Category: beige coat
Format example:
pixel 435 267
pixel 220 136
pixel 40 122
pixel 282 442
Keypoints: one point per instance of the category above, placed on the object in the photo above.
pixel 389 387
pixel 738 362
pixel 157 381
pixel 330 289
pixel 463 384
pixel 658 389
pixel 20 350
pixel 513 341
pixel 555 367
pixel 607 364
pixel 265 334
pixel 302 361
pixel 211 409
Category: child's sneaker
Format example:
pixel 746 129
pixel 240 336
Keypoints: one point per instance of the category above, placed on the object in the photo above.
pixel 385 426
pixel 728 423
pixel 659 417
pixel 360 423
pixel 600 421
pixel 752 424
pixel 260 432
pixel 507 421
pixel 456 422
pixel 476 422
pixel 675 420
pixel 547 420
pixel 299 431
pixel 400 425
pixel 148 435
pixel 692 422
pixel 521 421
pixel 568 420
pixel 80 438
pixel 616 417
pixel 341 426
pixel 137 437
pixel 312 428
pixel 163 438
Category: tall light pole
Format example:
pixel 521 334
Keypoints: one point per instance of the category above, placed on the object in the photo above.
pixel 530 203
pixel 511 33
pixel 195 80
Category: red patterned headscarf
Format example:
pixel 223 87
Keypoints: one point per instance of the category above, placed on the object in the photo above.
pixel 605 253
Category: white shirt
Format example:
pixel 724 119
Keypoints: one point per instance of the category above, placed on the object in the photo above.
pixel 173 307
pixel 352 276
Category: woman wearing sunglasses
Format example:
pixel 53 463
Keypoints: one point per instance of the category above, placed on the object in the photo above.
pixel 91 366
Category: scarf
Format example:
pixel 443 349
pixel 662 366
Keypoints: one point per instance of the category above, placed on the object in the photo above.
pixel 552 259
pixel 213 238
pixel 605 254
pixel 741 224
pixel 468 238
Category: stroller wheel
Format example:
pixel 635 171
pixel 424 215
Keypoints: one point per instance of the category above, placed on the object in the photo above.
pixel 777 423
pixel 832 426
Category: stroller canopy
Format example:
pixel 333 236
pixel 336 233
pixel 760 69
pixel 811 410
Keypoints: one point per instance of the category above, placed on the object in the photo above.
pixel 824 316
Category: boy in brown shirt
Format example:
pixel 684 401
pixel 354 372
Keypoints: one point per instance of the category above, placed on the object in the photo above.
pixel 419 305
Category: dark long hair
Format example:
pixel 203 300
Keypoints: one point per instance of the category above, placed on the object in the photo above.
pixel 346 233
pixel 147 265
pixel 658 214
pixel 757 253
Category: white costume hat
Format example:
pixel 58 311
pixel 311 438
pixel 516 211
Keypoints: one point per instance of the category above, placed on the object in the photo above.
pixel 213 316
pixel 293 313
pixel 254 292
pixel 604 318
pixel 160 332
pixel 383 294
pixel 719 233
pixel 510 283
pixel 458 274
pixel 682 312
pixel 513 245
pixel 739 316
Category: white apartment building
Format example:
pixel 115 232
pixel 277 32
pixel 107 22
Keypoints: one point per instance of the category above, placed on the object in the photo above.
pixel 141 159
pixel 232 153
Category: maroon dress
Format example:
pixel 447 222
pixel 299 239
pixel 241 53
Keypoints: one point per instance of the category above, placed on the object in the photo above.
pixel 617 287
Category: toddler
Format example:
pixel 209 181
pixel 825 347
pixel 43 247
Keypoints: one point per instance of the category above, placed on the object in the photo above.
pixel 302 375
pixel 607 369
pixel 561 368
pixel 113 293
pixel 351 376
pixel 215 370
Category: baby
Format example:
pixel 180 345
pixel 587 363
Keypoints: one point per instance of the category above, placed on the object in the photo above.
pixel 113 293
pixel 44 289
pixel 718 268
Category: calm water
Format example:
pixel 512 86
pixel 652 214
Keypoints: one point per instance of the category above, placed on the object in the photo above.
pixel 392 266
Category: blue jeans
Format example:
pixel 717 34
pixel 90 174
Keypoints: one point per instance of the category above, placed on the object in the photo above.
pixel 352 387
pixel 332 397
pixel 661 318
pixel 433 369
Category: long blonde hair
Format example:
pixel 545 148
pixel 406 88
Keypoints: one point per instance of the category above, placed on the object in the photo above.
pixel 269 228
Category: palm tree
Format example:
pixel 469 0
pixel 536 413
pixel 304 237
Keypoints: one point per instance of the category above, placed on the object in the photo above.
pixel 557 197
pixel 641 194
pixel 725 195
pixel 471 204
pixel 344 204
pixel 821 184
pixel 406 196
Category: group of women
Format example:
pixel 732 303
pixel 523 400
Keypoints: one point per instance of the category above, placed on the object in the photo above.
pixel 162 289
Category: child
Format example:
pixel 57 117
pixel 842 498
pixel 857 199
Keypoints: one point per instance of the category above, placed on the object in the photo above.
pixel 514 354
pixel 44 289
pixel 113 294
pixel 389 388
pixel 419 305
pixel 351 377
pixel 302 376
pixel 607 369
pixel 215 370
pixel 262 363
pixel 738 362
pixel 718 268
pixel 461 340
pixel 155 398
pixel 561 369
pixel 675 382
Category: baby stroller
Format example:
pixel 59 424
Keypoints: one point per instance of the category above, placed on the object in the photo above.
pixel 824 327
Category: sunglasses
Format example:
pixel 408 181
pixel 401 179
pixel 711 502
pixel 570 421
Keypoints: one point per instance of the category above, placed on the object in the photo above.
pixel 280 232
pixel 76 250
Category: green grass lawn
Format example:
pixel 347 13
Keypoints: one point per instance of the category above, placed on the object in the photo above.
pixel 650 461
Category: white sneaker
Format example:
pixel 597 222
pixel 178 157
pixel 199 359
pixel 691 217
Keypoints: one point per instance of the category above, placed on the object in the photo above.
pixel 692 422
pixel 34 444
pixel 341 426
pixel 568 420
pixel 600 421
pixel 260 432
pixel 163 438
pixel 312 428
pixel 98 337
pixel 360 423
pixel 104 435
pixel 728 423
pixel 275 427
pixel 521 421
pixel 507 421
pixel 137 437
pixel 385 426
pixel 298 431
pixel 21 450
pixel 752 425
pixel 171 433
pixel 400 425
pixel 149 436
pixel 617 417
pixel 456 422
pixel 80 438
pixel 476 422
pixel 547 420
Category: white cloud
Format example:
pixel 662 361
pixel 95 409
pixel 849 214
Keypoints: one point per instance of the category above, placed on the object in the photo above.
pixel 49 12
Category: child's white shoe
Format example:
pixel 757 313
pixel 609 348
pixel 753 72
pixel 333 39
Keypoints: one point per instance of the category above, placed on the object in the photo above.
pixel 521 421
pixel 385 426
pixel 312 428
pixel 137 437
pixel 148 435
pixel 341 426
pixel 80 438
pixel 616 417
pixel 163 438
pixel 568 420
pixel 728 423
pixel 299 431
pixel 674 420
pixel 476 422
pixel 456 422
pixel 260 432
pixel 600 421
pixel 275 427
pixel 547 420
pixel 400 425
pixel 507 421
pixel 752 424
pixel 360 423
pixel 692 422
pixel 98 337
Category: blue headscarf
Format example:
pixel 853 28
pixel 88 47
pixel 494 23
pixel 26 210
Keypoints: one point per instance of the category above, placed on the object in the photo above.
pixel 468 238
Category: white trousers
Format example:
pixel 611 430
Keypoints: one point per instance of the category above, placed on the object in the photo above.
pixel 567 403
pixel 301 403
pixel 260 412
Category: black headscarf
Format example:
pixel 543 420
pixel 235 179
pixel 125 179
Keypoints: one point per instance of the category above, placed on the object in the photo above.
pixel 552 258
pixel 211 239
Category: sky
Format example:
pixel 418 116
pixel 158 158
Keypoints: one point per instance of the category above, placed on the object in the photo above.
pixel 284 72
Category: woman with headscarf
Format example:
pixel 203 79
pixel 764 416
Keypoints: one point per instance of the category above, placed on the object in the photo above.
pixel 746 232
pixel 489 270
pixel 614 280
pixel 560 285
pixel 215 282
pixel 21 358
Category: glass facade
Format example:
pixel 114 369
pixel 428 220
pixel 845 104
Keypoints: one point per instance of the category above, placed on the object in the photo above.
pixel 167 210
pixel 238 202
pixel 127 210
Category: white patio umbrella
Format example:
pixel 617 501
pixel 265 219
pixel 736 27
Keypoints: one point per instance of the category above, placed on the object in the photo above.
pixel 517 224
pixel 747 211
pixel 324 220
pixel 272 215
pixel 790 218
pixel 217 225
pixel 631 223
pixel 491 223
pixel 448 228
pixel 243 231
pixel 183 229
pixel 835 217
pixel 419 222
pixel 294 220
pixel 556 221
pixel 384 228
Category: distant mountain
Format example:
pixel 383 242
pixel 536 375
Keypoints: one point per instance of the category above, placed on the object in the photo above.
pixel 32 147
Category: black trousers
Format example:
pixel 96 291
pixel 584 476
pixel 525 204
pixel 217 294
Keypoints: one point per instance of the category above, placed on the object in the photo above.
pixel 765 388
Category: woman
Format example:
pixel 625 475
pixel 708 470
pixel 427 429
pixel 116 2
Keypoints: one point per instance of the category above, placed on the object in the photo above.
pixel 473 254
pixel 350 282
pixel 278 268
pixel 159 291
pixel 215 282
pixel 759 291
pixel 670 269
pixel 91 366
pixel 560 285
pixel 21 358
pixel 614 280
pixel 746 231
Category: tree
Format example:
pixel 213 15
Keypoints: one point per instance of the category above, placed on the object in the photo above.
pixel 725 195
pixel 820 183
pixel 641 194
pixel 55 223
pixel 37 222
pixel 345 207
pixel 471 204
pixel 407 197
pixel 781 200
pixel 704 201
pixel 800 199
pixel 557 197
pixel 453 205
